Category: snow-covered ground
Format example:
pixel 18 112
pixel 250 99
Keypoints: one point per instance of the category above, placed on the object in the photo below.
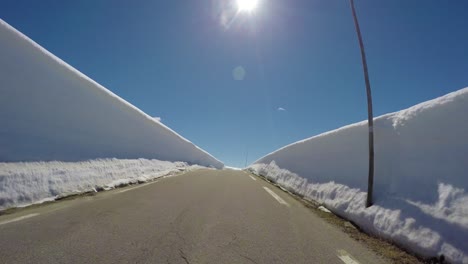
pixel 421 175
pixel 51 111
pixel 25 183
pixel 231 168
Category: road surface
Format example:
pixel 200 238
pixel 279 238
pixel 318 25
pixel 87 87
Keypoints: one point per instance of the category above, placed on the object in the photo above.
pixel 203 216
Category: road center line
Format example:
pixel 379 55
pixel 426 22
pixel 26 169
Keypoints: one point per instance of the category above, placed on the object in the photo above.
pixel 346 257
pixel 251 177
pixel 18 218
pixel 279 199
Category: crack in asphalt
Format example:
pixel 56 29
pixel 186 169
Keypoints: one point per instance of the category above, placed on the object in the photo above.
pixel 181 237
pixel 232 241
pixel 247 258
pixel 182 255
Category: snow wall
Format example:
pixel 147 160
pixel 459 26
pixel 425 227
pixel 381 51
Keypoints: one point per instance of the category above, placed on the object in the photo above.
pixel 26 183
pixel 421 175
pixel 51 111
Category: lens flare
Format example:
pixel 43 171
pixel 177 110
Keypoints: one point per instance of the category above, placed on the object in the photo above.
pixel 247 5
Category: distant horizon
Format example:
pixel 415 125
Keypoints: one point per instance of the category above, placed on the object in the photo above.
pixel 273 77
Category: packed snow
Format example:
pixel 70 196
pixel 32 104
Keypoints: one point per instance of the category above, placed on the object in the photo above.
pixel 25 183
pixel 232 168
pixel 421 180
pixel 51 111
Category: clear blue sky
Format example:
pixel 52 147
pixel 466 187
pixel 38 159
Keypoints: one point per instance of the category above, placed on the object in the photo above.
pixel 175 60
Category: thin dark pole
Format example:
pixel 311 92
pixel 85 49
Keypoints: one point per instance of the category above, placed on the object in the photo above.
pixel 370 116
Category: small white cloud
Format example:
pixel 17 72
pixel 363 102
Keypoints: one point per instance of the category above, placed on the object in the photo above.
pixel 281 109
pixel 157 118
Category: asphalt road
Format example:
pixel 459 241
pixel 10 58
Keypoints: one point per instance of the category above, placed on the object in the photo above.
pixel 204 216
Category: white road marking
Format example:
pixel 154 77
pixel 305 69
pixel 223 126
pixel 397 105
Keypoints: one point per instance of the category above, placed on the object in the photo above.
pixel 281 201
pixel 252 177
pixel 346 257
pixel 142 185
pixel 18 218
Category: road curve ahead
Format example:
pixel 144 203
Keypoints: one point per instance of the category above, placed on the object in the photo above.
pixel 204 216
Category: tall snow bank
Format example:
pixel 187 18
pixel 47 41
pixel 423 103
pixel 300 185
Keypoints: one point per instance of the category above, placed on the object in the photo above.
pixel 51 111
pixel 24 183
pixel 421 175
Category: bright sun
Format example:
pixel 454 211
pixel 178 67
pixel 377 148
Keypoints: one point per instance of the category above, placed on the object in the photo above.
pixel 247 5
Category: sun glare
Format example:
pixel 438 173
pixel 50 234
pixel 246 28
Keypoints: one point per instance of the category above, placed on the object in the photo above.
pixel 247 5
